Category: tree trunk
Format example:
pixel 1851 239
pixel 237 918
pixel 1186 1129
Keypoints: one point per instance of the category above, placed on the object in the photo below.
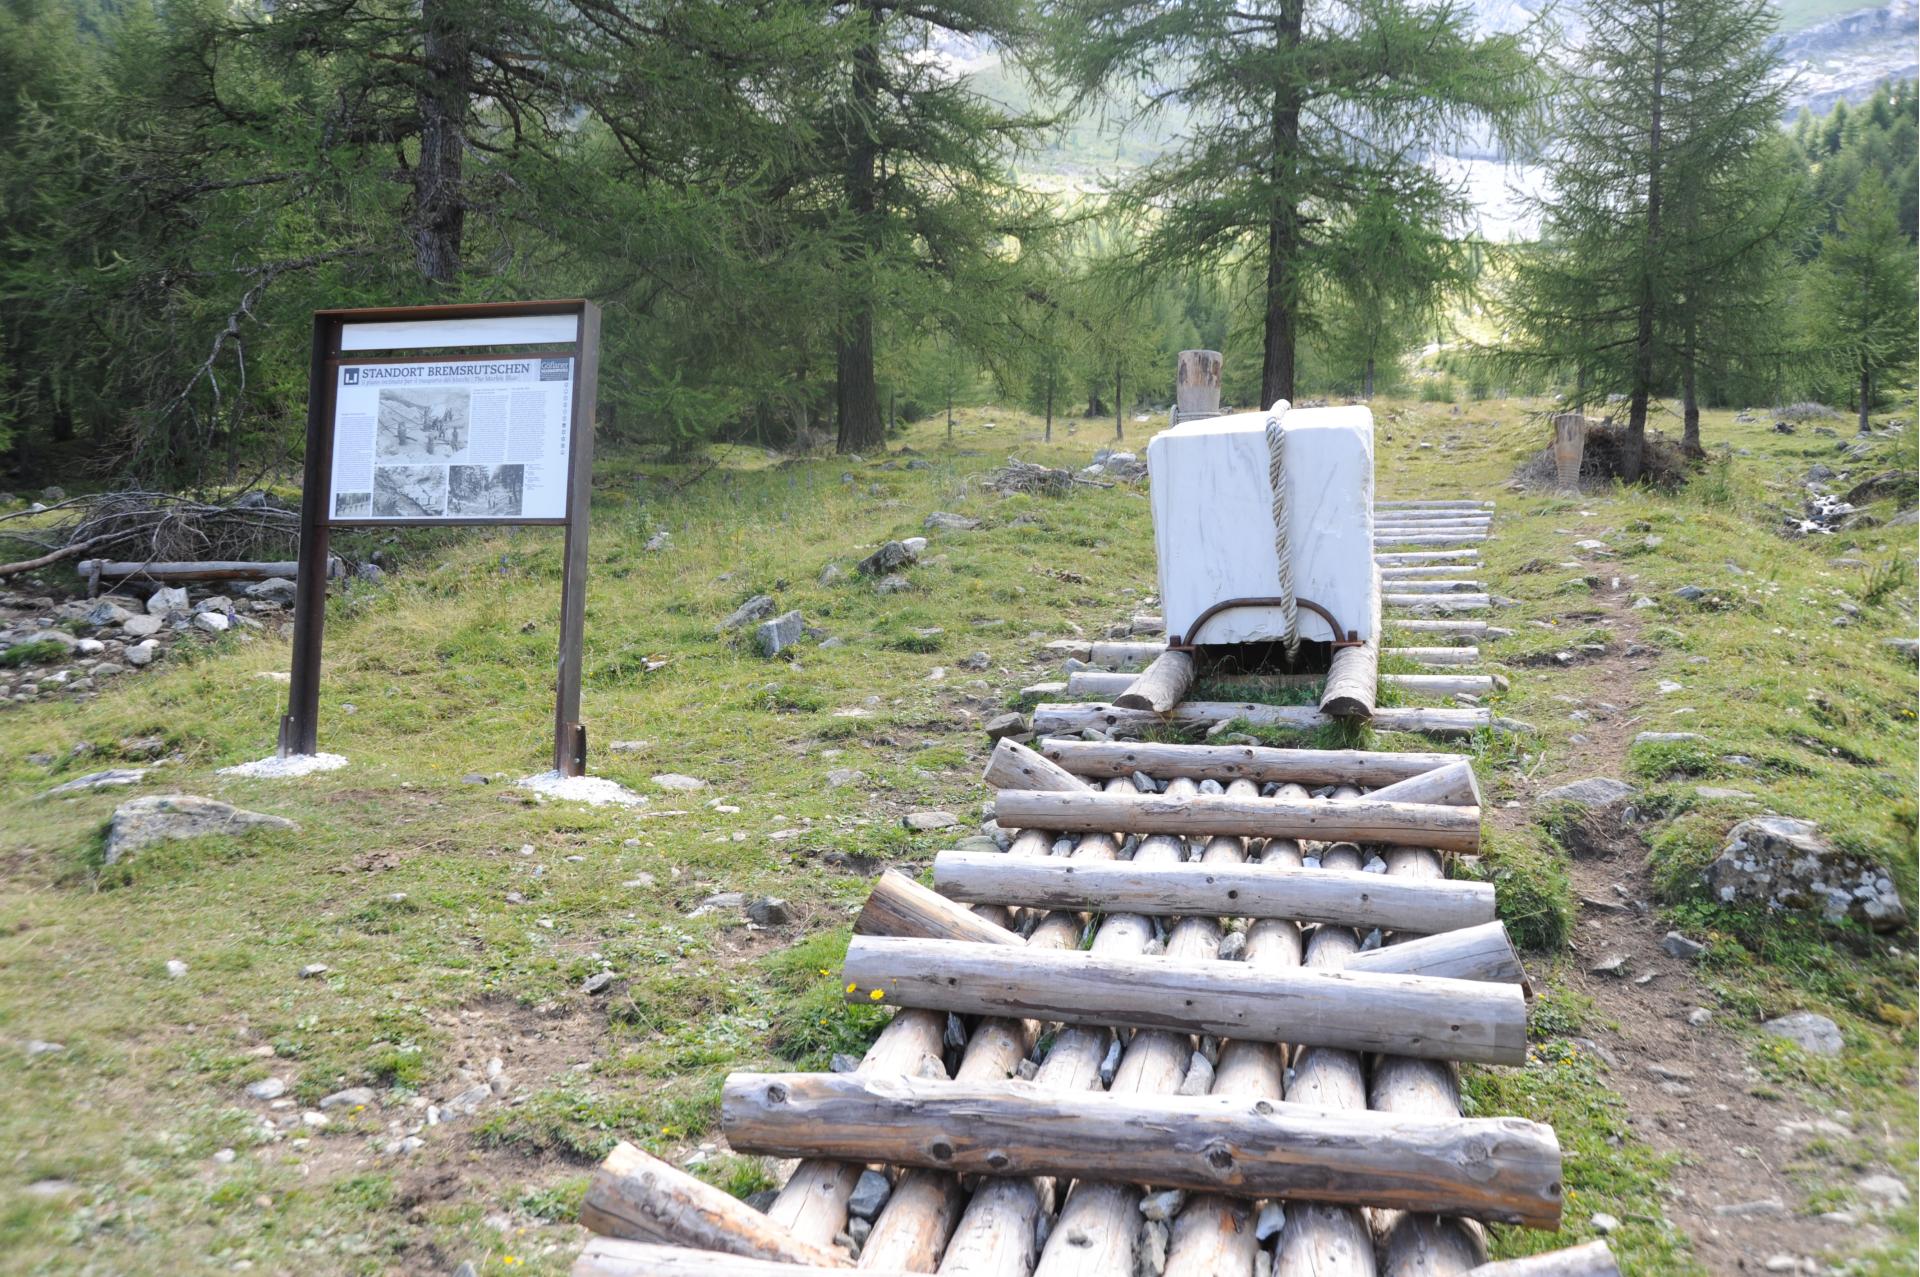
pixel 1866 391
pixel 1366 390
pixel 857 397
pixel 1119 422
pixel 1631 458
pixel 1580 389
pixel 439 211
pixel 949 414
pixel 1283 227
pixel 1049 438
pixel 1690 399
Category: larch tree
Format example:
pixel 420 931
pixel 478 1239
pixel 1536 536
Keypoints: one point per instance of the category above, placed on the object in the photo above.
pixel 1312 109
pixel 1652 222
pixel 1864 287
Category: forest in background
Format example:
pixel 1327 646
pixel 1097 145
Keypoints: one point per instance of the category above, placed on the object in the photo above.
pixel 806 219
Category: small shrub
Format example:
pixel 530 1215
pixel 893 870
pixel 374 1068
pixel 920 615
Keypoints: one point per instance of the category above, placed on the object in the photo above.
pixel 1665 760
pixel 1535 899
pixel 1887 580
pixel 34 652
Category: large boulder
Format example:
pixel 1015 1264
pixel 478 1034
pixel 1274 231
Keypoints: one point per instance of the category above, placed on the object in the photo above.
pixel 166 817
pixel 782 632
pixel 888 559
pixel 757 608
pixel 1785 864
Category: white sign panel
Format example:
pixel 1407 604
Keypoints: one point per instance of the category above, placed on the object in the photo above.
pixel 461 440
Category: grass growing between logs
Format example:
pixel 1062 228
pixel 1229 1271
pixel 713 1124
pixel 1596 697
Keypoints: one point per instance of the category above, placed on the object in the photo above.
pixel 458 921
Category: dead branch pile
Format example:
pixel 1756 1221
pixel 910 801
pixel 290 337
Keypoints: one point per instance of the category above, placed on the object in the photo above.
pixel 145 527
pixel 1025 476
pixel 1662 464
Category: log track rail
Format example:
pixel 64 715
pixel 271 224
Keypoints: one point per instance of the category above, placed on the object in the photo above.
pixel 1200 1018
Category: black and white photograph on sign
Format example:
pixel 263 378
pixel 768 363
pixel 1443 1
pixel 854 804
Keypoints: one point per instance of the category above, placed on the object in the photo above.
pixel 352 505
pixel 409 492
pixel 488 492
pixel 422 425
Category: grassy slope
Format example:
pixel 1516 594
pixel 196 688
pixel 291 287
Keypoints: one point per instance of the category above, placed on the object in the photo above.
pixel 447 671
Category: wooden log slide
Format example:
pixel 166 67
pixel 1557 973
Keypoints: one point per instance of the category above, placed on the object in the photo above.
pixel 1450 828
pixel 1504 1169
pixel 641 1198
pixel 1403 1015
pixel 1241 762
pixel 1100 684
pixel 1014 766
pixel 1350 899
pixel 1060 717
pixel 1440 655
pixel 1162 685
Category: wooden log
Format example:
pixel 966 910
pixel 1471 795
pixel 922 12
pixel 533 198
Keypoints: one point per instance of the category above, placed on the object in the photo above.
pixel 1162 685
pixel 641 1198
pixel 1401 526
pixel 1353 899
pixel 1504 1169
pixel 1408 1015
pixel 1400 558
pixel 1451 503
pixel 1484 953
pixel 1117 655
pixel 1426 571
pixel 1451 828
pixel 1259 763
pixel 1457 626
pixel 899 906
pixel 611 1257
pixel 1143 623
pixel 1440 602
pixel 1439 585
pixel 1353 673
pixel 197 570
pixel 1438 655
pixel 1453 783
pixel 1448 684
pixel 1398 539
pixel 1014 766
pixel 1060 717
pixel 1595 1259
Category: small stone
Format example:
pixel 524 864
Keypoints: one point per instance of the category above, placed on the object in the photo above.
pixel 100 780
pixel 1594 791
pixel 354 1097
pixel 1614 964
pixel 271 1088
pixel 1691 593
pixel 889 558
pixel 225 1156
pixel 314 970
pixel 597 983
pixel 168 598
pixel 840 777
pixel 769 911
pixel 176 969
pixel 1665 738
pixel 757 608
pixel 843 1063
pixel 674 780
pixel 870 1194
pixel 1699 1016
pixel 141 654
pixel 1272 1222
pixel 1679 946
pixel 1605 1224
pixel 659 541
pixel 926 822
pixel 777 635
pixel 1765 1207
pixel 1885 1188
pixel 941 521
pixel 976 661
pixel 955 1036
pixel 1161 1207
pixel 1151 1258
pixel 1667 1071
pixel 894 584
pixel 1008 724
pixel 1199 1078
pixel 1027 1070
pixel 1233 946
pixel 1110 1064
pixel 1815 1034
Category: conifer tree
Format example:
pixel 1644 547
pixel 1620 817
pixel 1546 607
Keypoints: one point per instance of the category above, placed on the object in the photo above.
pixel 1865 290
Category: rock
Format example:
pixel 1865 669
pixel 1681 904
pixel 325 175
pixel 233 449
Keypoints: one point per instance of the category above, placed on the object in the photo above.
pixel 895 584
pixel 1814 1034
pixel 1679 946
pixel 1909 648
pixel 1665 738
pixel 1161 1207
pixel 314 970
pixel 467 1103
pixel 976 661
pixel 275 589
pixel 661 540
pixel 1719 793
pixel 782 632
pixel 1008 724
pixel 1594 791
pixel 1605 1224
pixel 757 608
pixel 597 983
pixel 1766 1207
pixel 674 780
pixel 271 1088
pixel 1150 1259
pixel 843 1063
pixel 769 911
pixel 1699 1016
pixel 168 598
pixel 941 521
pixel 225 1157
pixel 1783 863
pixel 888 558
pixel 1233 946
pixel 354 1097
pixel 1199 1078
pixel 1887 1189
pixel 840 777
pixel 1670 1072
pixel 100 780
pixel 927 822
pixel 1667 687
pixel 106 613
pixel 140 627
pixel 1691 593
pixel 213 603
pixel 1888 483
pixel 212 622
pixel 141 654
pixel 162 817
pixel 53 492
pixel 830 573
pixel 870 1194
pixel 1271 1223
pixel 1614 964
pixel 176 969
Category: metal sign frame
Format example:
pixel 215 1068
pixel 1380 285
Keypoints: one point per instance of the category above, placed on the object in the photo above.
pixel 342 337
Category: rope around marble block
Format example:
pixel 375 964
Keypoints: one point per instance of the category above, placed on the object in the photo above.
pixel 1282 550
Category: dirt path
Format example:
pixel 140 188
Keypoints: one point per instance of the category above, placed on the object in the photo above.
pixel 1687 1083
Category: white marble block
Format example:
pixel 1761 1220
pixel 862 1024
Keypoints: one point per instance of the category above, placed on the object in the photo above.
pixel 1213 522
